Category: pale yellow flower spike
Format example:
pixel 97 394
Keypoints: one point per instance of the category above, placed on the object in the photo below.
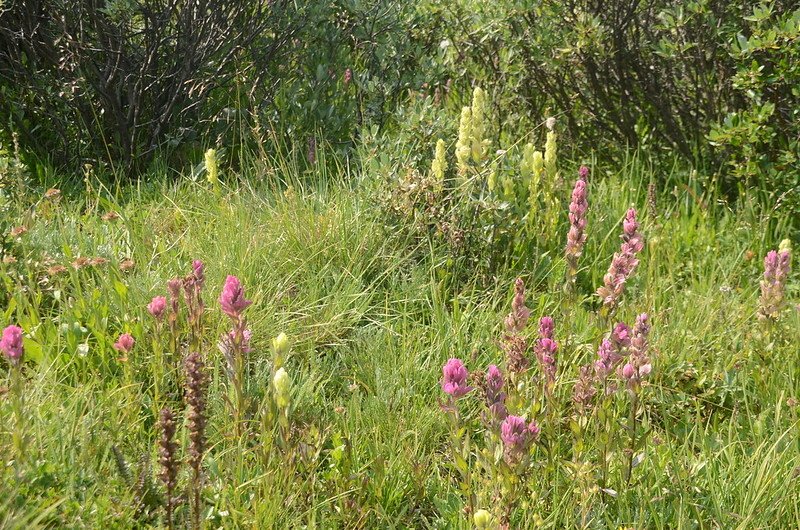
pixel 281 384
pixel 491 181
pixel 526 165
pixel 537 168
pixel 463 144
pixel 478 126
pixel 509 191
pixel 212 172
pixel 550 156
pixel 439 164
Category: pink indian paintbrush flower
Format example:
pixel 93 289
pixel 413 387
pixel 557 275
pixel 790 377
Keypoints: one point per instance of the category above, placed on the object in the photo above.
pixel 125 343
pixel 455 378
pixel 517 437
pixel 576 237
pixel 583 392
pixel 228 347
pixel 628 371
pixel 518 318
pixel 621 336
pixel 623 263
pixel 546 327
pixel 630 233
pixel 232 298
pixel 157 306
pixel 608 358
pixel 545 350
pixel 495 397
pixel 198 270
pixel 11 344
pixel 777 266
pixel 513 343
pixel 638 366
pixel 174 287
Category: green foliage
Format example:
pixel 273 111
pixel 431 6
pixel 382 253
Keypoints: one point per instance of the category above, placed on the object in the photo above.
pixel 760 140
pixel 118 84
pixel 713 82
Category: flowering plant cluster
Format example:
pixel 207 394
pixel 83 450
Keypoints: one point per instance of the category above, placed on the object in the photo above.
pixel 481 204
pixel 777 266
pixel 623 264
pixel 525 408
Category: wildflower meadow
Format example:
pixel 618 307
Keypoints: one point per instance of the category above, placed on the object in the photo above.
pixel 461 321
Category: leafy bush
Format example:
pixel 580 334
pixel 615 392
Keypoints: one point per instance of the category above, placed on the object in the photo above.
pixel 117 83
pixel 760 140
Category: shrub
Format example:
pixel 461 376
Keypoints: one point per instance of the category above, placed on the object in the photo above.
pixel 760 139
pixel 117 83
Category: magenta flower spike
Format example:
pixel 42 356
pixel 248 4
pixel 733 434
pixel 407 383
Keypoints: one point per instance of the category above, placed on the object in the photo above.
pixel 623 263
pixel 638 366
pixel 545 349
pixel 607 359
pixel 546 327
pixel 546 354
pixel 495 397
pixel 494 380
pixel 11 344
pixel 628 371
pixel 517 437
pixel 455 378
pixel 157 307
pixel 621 336
pixel 198 270
pixel 576 237
pixel 125 343
pixel 777 266
pixel 232 298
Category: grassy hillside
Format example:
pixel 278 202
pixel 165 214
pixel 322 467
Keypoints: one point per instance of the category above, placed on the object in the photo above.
pixel 371 316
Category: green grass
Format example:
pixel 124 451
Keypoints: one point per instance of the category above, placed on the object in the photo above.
pixel 371 325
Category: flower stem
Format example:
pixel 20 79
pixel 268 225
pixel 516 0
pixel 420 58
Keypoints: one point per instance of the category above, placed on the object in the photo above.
pixel 19 414
pixel 632 448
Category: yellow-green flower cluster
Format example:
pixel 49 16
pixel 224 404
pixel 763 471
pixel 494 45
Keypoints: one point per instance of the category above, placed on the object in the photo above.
pixel 551 153
pixel 491 181
pixel 280 347
pixel 439 164
pixel 478 125
pixel 509 191
pixel 526 165
pixel 282 384
pixel 463 148
pixel 471 130
pixel 212 171
pixel 482 519
pixel 531 169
